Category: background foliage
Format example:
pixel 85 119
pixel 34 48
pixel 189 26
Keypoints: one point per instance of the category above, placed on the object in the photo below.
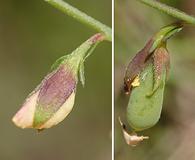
pixel 173 137
pixel 32 36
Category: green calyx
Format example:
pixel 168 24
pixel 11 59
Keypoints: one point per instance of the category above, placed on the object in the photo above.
pixel 165 33
pixel 41 117
pixel 77 58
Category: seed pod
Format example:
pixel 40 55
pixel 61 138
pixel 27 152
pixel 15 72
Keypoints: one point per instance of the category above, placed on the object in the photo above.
pixel 145 105
pixel 145 79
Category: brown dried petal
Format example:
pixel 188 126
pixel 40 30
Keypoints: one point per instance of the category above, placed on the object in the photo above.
pixel 131 139
pixel 161 61
pixel 136 65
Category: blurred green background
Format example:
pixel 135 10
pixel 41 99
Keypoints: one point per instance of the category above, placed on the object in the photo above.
pixel 33 35
pixel 173 137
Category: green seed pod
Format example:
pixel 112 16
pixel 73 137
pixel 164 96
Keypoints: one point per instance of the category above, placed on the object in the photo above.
pixel 145 104
pixel 144 82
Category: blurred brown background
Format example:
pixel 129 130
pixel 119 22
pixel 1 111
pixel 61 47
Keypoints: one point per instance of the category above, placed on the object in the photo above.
pixel 173 138
pixel 33 35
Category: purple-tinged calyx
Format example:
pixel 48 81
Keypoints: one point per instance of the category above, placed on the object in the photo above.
pixel 142 58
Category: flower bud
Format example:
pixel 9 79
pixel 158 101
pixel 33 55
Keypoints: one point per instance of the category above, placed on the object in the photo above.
pixel 54 98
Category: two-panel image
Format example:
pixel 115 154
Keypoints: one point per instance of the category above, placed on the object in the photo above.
pixel 97 80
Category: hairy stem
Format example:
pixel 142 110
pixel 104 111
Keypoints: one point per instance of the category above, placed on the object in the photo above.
pixel 82 17
pixel 170 10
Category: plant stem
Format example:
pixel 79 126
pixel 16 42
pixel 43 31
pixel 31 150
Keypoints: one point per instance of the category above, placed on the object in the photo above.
pixel 82 17
pixel 170 10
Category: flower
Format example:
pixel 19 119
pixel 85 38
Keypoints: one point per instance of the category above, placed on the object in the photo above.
pixel 54 98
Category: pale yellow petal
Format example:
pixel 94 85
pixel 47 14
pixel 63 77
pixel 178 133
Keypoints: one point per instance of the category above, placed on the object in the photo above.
pixel 136 82
pixel 24 117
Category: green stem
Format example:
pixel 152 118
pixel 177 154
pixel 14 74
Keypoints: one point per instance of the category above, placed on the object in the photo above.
pixel 170 10
pixel 82 17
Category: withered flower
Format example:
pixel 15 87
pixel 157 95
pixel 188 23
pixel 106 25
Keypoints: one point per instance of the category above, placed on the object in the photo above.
pixel 131 139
